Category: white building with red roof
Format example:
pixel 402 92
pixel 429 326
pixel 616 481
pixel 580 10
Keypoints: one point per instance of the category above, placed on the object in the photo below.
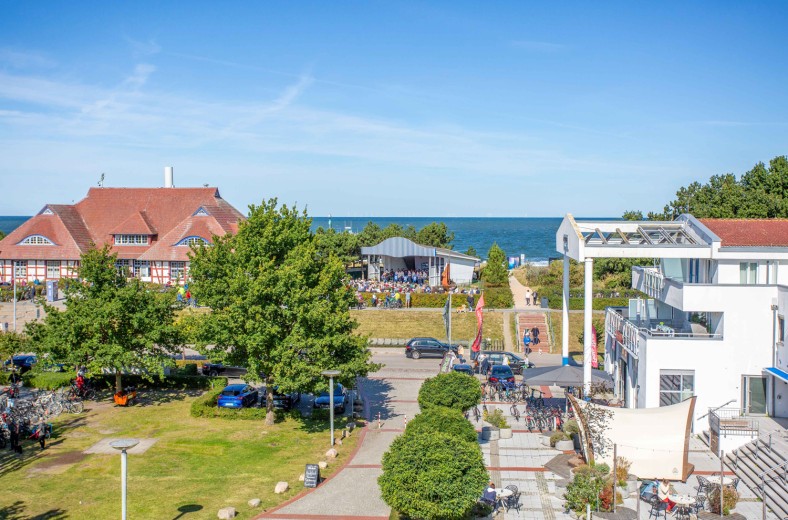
pixel 150 229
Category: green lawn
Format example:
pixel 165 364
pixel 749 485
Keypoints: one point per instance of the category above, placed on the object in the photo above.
pixel 392 323
pixel 203 463
pixel 575 328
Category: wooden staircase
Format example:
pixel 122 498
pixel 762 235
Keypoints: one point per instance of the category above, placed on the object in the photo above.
pixel 530 320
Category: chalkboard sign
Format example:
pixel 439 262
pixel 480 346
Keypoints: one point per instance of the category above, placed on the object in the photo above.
pixel 311 475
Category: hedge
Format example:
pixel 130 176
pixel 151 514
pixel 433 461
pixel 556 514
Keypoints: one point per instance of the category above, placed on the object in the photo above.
pixel 446 420
pixel 452 390
pixel 494 298
pixel 47 380
pixel 54 380
pixel 575 304
pixel 206 406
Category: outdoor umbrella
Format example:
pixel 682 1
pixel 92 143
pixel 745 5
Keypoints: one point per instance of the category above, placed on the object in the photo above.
pixel 563 376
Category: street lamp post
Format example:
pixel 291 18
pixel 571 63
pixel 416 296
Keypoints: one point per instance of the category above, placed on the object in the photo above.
pixel 122 445
pixel 331 374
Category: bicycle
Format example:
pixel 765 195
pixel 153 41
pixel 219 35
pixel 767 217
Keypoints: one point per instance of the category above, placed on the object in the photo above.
pixel 515 412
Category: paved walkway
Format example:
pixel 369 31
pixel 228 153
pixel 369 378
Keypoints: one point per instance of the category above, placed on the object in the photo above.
pixel 518 295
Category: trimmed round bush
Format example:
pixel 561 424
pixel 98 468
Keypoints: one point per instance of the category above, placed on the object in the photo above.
pixel 442 420
pixel 431 477
pixel 453 390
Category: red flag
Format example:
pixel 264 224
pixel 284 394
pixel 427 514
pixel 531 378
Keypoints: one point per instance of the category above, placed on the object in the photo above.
pixel 594 362
pixel 477 342
pixel 446 278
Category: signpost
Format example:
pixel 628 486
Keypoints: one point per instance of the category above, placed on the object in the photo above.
pixel 311 475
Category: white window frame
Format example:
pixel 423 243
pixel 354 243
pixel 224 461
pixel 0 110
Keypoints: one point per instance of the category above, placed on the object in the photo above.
pixel 681 392
pixel 748 273
pixel 177 270
pixel 53 269
pixel 20 269
pixel 188 241
pixel 142 269
pixel 131 240
pixel 36 240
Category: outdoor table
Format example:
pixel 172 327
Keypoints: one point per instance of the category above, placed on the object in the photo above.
pixel 715 480
pixel 683 504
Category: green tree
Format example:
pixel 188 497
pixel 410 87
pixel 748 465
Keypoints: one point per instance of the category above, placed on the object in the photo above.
pixel 435 234
pixel 433 476
pixel 451 390
pixel 632 215
pixel 494 272
pixel 110 322
pixel 439 419
pixel 371 235
pixel 2 235
pixel 341 244
pixel 279 307
pixel 12 343
pixel 471 251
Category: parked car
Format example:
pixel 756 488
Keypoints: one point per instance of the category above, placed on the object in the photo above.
pixel 284 401
pixel 340 397
pixel 22 363
pixel 465 369
pixel 417 347
pixel 516 363
pixel 499 374
pixel 216 369
pixel 238 396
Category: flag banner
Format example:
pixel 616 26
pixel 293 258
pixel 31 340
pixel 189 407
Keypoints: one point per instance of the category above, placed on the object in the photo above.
pixel 594 362
pixel 447 315
pixel 477 342
pixel 446 278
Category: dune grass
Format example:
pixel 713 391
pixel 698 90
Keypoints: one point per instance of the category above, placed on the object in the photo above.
pixel 406 324
pixel 196 466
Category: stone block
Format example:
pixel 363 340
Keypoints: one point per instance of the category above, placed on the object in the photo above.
pixel 226 513
pixel 255 502
pixel 322 464
pixel 281 487
pixel 331 454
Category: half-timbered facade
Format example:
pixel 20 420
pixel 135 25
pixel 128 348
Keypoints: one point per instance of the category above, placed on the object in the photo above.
pixel 150 230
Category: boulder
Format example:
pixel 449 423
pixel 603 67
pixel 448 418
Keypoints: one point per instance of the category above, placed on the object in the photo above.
pixel 322 464
pixel 255 502
pixel 226 513
pixel 281 487
pixel 331 454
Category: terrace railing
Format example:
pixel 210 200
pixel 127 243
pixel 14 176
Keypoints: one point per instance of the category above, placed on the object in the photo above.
pixel 732 421
pixel 623 331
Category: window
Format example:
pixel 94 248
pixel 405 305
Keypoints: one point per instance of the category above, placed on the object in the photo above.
pixel 188 241
pixel 748 273
pixel 20 268
pixel 142 268
pixel 177 270
pixel 123 266
pixel 53 269
pixel 131 240
pixel 780 328
pixel 36 240
pixel 675 386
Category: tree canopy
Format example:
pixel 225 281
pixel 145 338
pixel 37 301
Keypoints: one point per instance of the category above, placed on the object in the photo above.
pixel 450 390
pixel 495 273
pixel 12 343
pixel 110 322
pixel 280 306
pixel 761 192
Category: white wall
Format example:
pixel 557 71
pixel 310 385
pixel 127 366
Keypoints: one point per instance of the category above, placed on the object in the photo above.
pixel 461 270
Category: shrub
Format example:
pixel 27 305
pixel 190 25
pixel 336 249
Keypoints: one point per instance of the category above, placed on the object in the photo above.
pixel 496 418
pixel 205 406
pixel 729 500
pixel 4 378
pixel 438 419
pixel 622 470
pixel 47 380
pixel 557 437
pixel 173 382
pixel 187 369
pixel 433 476
pixel 571 427
pixel 606 498
pixel 498 297
pixel 587 487
pixel 452 390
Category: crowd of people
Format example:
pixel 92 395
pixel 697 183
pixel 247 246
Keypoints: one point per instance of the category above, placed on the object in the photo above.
pixel 417 277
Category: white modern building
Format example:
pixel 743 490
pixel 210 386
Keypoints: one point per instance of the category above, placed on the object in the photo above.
pixel 400 253
pixel 712 322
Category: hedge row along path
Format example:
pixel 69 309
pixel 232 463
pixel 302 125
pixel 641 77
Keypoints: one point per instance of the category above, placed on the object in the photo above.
pixel 352 492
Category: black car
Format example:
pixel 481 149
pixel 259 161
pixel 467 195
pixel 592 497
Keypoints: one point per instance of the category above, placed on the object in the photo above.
pixel 284 401
pixel 417 347
pixel 516 363
pixel 215 369
pixel 499 374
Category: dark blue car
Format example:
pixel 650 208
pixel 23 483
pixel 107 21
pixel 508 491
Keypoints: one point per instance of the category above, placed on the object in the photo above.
pixel 465 369
pixel 340 396
pixel 238 396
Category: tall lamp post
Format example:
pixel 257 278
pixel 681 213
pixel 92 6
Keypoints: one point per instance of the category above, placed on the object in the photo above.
pixel 331 374
pixel 122 445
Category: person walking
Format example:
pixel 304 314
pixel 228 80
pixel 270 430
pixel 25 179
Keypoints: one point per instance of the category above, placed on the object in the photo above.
pixel 527 341
pixel 528 297
pixel 484 364
pixel 407 300
pixel 535 335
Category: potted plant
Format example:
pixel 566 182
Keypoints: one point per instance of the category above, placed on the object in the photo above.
pixel 573 430
pixel 561 441
pixel 497 425
pixel 729 500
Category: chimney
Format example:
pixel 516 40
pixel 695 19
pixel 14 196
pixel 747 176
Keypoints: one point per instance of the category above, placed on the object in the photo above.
pixel 168 181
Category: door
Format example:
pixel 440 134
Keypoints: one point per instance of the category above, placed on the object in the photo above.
pixel 755 395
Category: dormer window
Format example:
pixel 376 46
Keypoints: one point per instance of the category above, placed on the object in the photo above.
pixel 200 212
pixel 131 240
pixel 194 240
pixel 36 240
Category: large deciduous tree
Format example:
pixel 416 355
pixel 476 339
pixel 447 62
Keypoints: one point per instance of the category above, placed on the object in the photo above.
pixel 110 324
pixel 280 307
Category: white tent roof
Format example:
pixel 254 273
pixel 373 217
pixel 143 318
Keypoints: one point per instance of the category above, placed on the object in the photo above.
pixel 400 247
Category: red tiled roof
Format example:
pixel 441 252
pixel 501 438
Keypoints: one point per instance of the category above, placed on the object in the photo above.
pixel 165 213
pixel 749 232
pixel 136 224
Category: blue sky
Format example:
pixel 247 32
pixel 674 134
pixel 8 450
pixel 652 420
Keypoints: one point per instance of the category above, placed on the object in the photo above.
pixel 391 108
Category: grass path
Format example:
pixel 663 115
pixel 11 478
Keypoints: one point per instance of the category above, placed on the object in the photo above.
pixel 210 463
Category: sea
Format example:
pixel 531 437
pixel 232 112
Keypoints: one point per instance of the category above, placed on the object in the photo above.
pixel 532 237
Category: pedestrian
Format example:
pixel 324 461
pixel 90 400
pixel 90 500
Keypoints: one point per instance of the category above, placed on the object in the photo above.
pixel 528 297
pixel 535 298
pixel 484 363
pixel 469 299
pixel 527 341
pixel 407 300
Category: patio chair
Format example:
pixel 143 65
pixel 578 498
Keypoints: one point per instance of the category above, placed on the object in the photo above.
pixel 700 503
pixel 658 507
pixel 703 485
pixel 513 501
